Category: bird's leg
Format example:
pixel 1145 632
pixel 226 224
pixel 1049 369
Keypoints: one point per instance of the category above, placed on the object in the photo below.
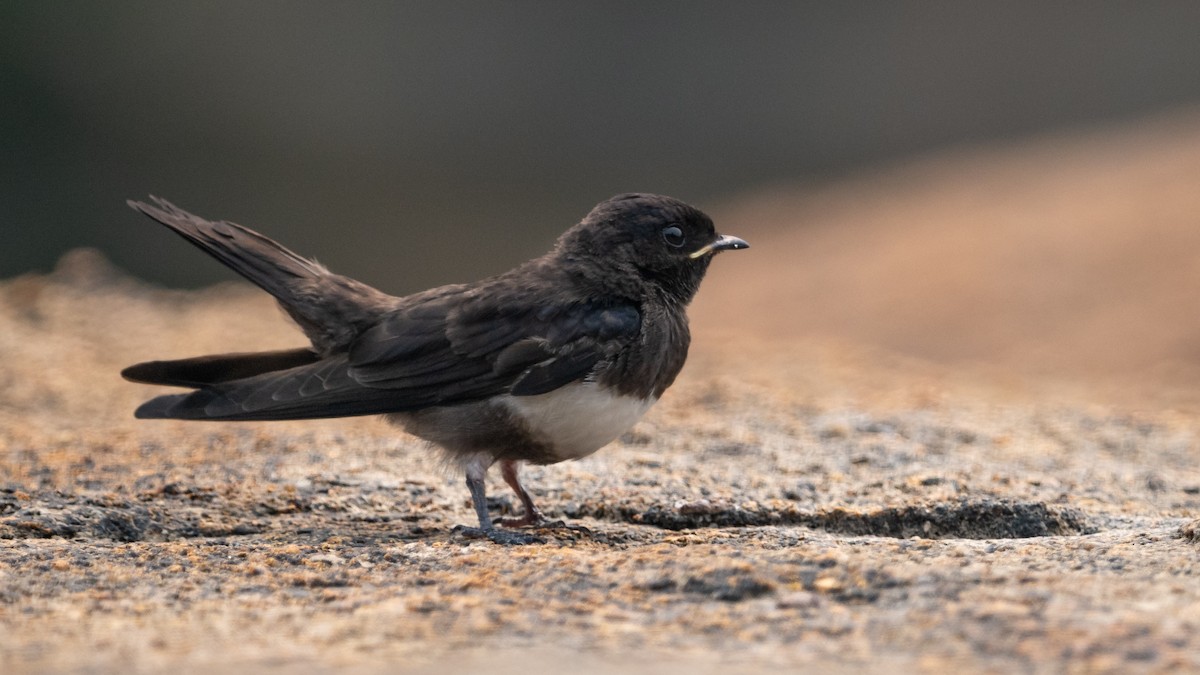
pixel 532 517
pixel 476 471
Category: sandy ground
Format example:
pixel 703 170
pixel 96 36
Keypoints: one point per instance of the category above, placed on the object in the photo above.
pixel 905 439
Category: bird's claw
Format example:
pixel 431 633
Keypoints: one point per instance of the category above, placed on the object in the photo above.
pixel 563 525
pixel 534 520
pixel 502 537
pixel 540 523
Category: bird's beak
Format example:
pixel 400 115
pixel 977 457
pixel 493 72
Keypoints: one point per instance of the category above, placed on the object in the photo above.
pixel 722 243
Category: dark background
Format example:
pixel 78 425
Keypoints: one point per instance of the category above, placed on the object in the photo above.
pixel 419 143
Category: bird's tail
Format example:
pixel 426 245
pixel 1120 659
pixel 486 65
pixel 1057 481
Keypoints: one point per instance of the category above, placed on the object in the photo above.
pixel 330 308
pixel 263 261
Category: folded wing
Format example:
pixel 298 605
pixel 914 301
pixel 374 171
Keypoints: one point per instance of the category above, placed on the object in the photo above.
pixel 445 347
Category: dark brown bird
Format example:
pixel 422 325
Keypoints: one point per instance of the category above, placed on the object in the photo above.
pixel 547 362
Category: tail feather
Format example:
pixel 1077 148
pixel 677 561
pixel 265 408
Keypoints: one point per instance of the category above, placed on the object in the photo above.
pixel 260 259
pixel 330 309
pixel 207 370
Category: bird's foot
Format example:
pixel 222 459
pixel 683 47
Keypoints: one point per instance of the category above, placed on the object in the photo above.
pixel 502 537
pixel 564 525
pixel 538 521
pixel 530 519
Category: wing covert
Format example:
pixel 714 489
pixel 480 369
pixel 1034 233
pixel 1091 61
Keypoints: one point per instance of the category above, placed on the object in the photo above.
pixel 473 349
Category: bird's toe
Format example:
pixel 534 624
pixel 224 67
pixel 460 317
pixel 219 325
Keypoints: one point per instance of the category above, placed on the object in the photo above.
pixel 502 537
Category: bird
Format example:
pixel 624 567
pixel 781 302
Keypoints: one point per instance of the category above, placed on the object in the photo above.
pixel 547 362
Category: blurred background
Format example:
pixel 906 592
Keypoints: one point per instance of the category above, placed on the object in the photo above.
pixel 894 163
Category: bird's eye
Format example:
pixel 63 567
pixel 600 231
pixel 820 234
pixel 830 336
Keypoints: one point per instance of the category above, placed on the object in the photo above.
pixel 673 236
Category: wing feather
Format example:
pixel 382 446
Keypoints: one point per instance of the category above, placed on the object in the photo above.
pixel 440 351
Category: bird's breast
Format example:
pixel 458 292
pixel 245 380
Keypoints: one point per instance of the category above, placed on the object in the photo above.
pixel 576 420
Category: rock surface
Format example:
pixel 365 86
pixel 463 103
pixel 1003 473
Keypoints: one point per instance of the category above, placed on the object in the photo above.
pixel 794 501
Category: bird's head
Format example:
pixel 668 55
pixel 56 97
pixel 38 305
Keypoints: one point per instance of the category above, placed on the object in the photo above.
pixel 652 238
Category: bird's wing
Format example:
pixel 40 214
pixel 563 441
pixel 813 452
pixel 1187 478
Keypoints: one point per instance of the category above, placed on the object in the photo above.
pixel 480 347
pixel 445 350
pixel 202 371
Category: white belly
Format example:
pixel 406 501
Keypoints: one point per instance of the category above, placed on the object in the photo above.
pixel 580 418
